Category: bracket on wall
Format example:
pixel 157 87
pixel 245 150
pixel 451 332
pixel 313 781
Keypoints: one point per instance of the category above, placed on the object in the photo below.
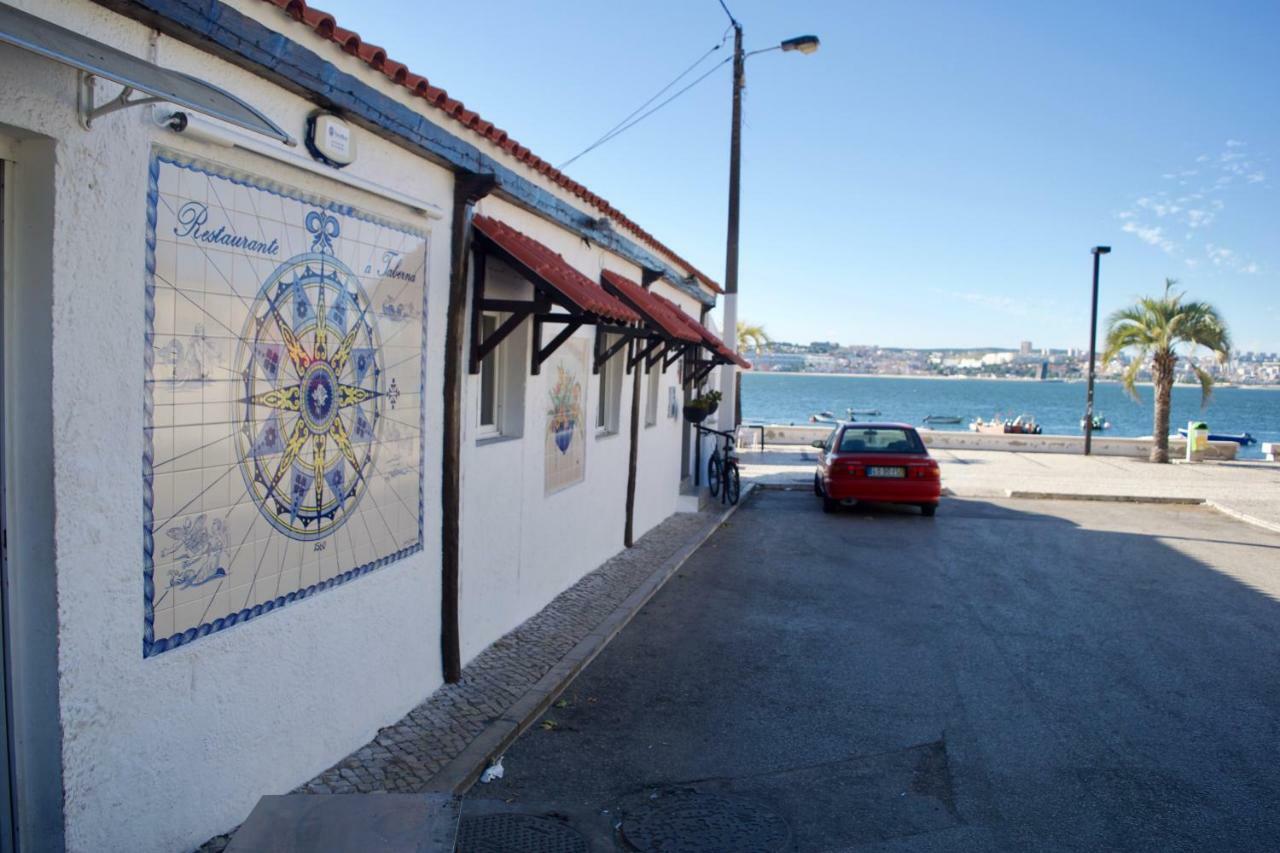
pixel 656 356
pixel 699 372
pixel 674 353
pixel 539 353
pixel 605 350
pixel 519 309
pixel 641 353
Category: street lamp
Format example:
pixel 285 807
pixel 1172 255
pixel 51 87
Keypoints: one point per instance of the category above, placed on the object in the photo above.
pixel 1097 252
pixel 800 44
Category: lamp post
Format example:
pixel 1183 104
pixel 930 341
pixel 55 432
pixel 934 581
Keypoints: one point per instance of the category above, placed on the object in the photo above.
pixel 728 389
pixel 1097 252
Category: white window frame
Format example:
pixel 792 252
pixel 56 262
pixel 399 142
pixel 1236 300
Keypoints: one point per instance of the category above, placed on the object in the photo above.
pixel 495 362
pixel 652 391
pixel 609 389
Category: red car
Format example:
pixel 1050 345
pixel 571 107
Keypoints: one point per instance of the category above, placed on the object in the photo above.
pixel 886 463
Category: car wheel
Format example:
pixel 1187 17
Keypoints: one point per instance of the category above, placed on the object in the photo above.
pixel 829 504
pixel 817 485
pixel 928 509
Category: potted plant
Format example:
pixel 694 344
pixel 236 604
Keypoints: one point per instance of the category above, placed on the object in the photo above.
pixel 701 407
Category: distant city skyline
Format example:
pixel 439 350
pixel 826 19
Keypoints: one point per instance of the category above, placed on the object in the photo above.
pixel 935 173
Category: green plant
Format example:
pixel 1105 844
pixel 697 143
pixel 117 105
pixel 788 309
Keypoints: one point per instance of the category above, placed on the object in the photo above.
pixel 706 400
pixel 1154 328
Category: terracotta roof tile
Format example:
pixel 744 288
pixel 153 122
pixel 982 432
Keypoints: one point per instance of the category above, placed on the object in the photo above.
pixel 555 271
pixel 655 310
pixel 709 339
pixel 324 25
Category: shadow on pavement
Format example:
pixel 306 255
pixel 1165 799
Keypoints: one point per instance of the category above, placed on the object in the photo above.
pixel 1005 676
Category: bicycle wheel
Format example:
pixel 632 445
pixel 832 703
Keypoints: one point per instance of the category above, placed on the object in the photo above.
pixel 714 470
pixel 732 487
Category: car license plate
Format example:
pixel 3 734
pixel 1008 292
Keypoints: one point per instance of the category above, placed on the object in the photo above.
pixel 881 471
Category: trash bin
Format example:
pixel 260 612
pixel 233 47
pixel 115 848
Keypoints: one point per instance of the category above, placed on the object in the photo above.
pixel 1197 440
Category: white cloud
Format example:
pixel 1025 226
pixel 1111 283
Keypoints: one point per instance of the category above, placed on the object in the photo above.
pixel 1235 143
pixel 1150 234
pixel 1250 268
pixel 1199 218
pixel 1256 178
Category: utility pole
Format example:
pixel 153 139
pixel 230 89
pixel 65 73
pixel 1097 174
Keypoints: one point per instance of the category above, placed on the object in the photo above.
pixel 728 407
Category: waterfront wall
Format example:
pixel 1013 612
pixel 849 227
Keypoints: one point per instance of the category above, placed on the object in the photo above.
pixel 1138 448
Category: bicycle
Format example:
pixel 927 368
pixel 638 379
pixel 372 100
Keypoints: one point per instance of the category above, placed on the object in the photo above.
pixel 723 471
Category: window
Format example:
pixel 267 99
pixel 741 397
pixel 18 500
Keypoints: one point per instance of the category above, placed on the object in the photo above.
pixel 500 409
pixel 490 381
pixel 651 400
pixel 880 440
pixel 609 392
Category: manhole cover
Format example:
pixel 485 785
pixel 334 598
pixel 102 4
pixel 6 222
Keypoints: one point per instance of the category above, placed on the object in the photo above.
pixel 504 833
pixel 689 822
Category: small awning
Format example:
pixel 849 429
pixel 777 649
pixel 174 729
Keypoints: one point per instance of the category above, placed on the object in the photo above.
pixel 534 259
pixel 161 84
pixel 710 340
pixel 656 314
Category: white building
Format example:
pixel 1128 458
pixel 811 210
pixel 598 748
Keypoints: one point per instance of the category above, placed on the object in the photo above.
pixel 276 433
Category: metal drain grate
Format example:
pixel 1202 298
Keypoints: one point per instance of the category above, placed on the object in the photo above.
pixel 687 822
pixel 506 833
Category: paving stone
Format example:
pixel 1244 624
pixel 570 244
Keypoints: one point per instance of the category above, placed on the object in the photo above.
pixel 403 757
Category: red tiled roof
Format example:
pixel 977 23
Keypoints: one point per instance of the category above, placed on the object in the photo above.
pixel 658 313
pixel 324 25
pixel 555 271
pixel 709 339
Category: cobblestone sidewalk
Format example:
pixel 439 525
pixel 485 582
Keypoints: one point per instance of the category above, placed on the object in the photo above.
pixel 406 755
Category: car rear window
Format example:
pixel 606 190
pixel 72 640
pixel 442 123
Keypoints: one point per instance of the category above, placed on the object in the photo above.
pixel 880 440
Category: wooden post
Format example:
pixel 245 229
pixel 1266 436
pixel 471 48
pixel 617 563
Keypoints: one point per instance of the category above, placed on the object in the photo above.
pixel 628 538
pixel 468 188
pixel 647 277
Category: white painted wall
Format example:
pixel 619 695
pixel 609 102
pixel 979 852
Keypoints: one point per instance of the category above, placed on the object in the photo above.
pixel 520 547
pixel 160 753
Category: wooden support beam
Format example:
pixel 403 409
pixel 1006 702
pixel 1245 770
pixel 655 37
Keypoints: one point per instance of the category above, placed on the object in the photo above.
pixel 477 299
pixel 606 350
pixel 467 190
pixel 511 306
pixel 541 353
pixel 641 353
pixel 480 349
pixel 656 356
pixel 673 355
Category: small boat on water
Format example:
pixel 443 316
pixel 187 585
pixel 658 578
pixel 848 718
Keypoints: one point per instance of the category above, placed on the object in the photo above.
pixel 1099 423
pixel 854 412
pixel 1243 439
pixel 1021 425
pixel 942 419
pixel 823 418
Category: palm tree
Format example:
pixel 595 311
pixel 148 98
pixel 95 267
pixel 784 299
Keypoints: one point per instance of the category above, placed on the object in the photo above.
pixel 1154 329
pixel 748 336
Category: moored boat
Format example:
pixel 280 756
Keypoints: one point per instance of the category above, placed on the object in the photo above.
pixel 1099 423
pixel 942 419
pixel 1243 439
pixel 1021 425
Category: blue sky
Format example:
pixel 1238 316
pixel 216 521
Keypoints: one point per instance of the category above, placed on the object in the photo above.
pixel 934 176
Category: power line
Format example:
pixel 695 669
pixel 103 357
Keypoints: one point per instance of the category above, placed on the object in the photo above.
pixel 623 124
pixel 732 19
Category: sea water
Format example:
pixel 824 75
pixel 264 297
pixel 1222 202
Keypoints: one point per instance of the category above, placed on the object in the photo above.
pixel 790 398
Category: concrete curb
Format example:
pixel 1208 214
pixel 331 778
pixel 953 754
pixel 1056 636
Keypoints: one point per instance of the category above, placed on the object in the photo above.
pixel 1244 516
pixel 1076 496
pixel 465 768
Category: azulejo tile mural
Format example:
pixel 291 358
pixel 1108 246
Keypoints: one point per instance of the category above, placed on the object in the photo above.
pixel 566 446
pixel 284 378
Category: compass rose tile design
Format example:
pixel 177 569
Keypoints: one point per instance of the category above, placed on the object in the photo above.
pixel 284 407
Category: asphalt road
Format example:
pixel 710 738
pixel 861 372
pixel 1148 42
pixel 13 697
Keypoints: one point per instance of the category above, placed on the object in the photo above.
pixel 1011 675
